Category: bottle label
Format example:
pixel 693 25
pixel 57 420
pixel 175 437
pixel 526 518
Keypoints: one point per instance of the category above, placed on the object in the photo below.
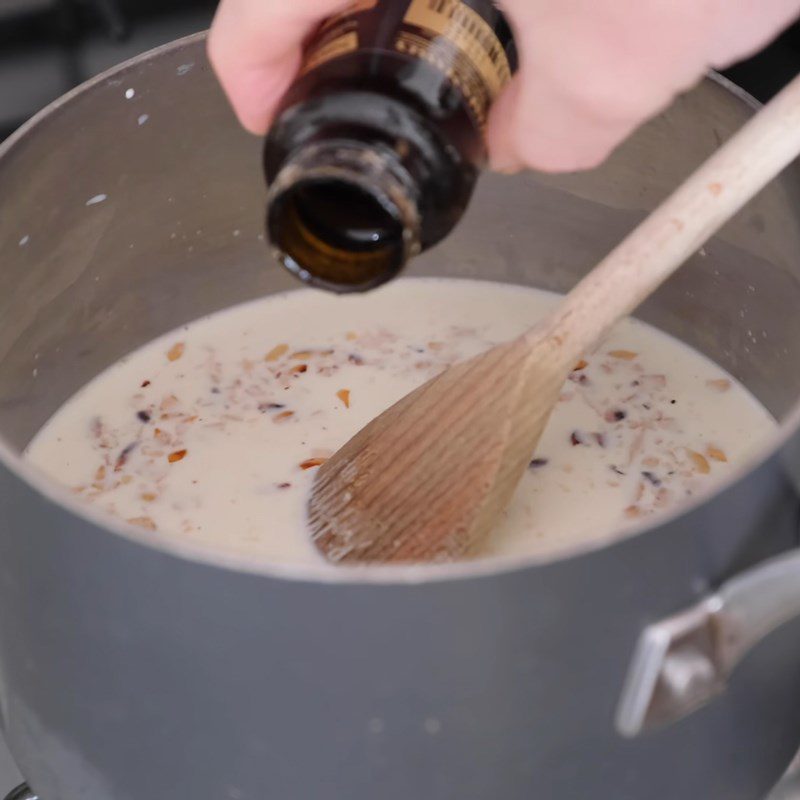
pixel 450 35
pixel 337 36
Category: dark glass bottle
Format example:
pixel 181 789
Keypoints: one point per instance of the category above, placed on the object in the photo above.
pixel 377 145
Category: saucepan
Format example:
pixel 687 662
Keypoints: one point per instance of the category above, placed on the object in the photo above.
pixel 663 664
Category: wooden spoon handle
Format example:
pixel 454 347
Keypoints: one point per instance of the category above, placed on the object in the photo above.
pixel 680 225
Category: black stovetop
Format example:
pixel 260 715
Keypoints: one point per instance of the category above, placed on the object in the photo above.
pixel 49 46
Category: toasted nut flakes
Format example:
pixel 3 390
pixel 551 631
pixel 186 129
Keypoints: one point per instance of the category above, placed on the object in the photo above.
pixel 276 352
pixel 623 355
pixel 716 453
pixel 143 522
pixel 719 385
pixel 310 463
pixel 700 462
pixel 283 416
pixel 178 455
pixel 344 396
pixel 176 351
pixel 582 364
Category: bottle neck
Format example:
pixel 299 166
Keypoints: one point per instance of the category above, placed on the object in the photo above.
pixel 343 214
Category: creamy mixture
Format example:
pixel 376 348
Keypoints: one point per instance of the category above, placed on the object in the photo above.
pixel 214 432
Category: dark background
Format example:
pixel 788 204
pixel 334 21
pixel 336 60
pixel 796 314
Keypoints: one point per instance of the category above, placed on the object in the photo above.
pixel 49 46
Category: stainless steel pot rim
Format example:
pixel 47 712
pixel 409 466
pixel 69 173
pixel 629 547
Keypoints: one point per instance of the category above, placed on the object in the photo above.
pixel 54 493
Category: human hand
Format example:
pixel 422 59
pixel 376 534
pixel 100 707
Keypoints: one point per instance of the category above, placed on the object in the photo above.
pixel 590 70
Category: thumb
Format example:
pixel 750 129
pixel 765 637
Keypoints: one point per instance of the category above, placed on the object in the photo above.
pixel 255 48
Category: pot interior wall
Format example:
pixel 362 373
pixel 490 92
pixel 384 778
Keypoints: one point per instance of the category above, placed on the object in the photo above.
pixel 127 213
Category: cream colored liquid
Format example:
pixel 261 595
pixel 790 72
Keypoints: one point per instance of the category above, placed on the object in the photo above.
pixel 212 433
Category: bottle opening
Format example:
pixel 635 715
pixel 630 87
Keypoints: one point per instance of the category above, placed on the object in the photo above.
pixel 337 234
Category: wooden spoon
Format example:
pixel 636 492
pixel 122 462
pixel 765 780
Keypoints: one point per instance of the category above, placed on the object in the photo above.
pixel 426 480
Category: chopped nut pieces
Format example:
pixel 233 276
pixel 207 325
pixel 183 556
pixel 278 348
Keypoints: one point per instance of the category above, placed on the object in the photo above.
pixel 178 455
pixel 651 477
pixel 623 355
pixel 263 407
pixel 283 416
pixel 344 396
pixel 123 457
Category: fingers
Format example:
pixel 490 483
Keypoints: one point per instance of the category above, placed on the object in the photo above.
pixel 592 70
pixel 255 49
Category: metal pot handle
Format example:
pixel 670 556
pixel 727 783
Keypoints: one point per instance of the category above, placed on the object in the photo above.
pixel 682 662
